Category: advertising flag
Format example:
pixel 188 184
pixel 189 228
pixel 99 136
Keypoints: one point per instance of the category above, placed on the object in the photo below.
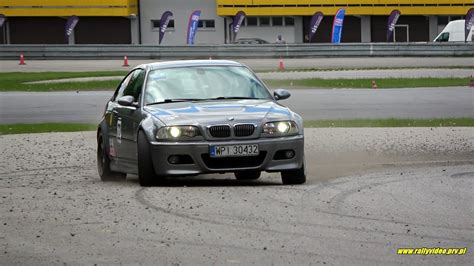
pixel 392 21
pixel 238 19
pixel 314 24
pixel 70 25
pixel 468 22
pixel 164 21
pixel 192 26
pixel 2 20
pixel 337 26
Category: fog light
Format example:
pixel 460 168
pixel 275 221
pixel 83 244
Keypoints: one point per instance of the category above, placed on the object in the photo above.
pixel 289 154
pixel 173 159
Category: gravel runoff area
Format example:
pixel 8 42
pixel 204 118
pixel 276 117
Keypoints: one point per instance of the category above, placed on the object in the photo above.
pixel 256 64
pixel 369 192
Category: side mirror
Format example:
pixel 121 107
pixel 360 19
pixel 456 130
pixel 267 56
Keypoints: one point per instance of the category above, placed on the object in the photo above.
pixel 281 94
pixel 126 100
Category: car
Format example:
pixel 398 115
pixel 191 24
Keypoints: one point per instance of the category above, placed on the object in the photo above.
pixel 191 117
pixel 250 41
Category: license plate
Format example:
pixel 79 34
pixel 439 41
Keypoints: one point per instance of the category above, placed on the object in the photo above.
pixel 234 150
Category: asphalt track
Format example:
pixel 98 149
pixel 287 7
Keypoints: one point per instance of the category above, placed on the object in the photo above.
pixel 312 104
pixel 369 192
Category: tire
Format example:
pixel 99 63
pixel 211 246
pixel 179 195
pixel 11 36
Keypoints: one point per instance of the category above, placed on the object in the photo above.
pixel 247 175
pixel 294 177
pixel 146 172
pixel 103 162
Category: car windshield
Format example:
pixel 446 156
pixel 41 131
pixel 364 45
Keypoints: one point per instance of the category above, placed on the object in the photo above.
pixel 203 83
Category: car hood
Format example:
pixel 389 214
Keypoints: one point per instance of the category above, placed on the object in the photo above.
pixel 218 112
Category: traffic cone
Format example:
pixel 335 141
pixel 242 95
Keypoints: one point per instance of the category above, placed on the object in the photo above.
pixel 125 61
pixel 22 60
pixel 281 66
pixel 374 85
pixel 471 83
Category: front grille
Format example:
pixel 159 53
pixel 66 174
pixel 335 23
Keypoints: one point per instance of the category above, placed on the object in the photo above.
pixel 233 162
pixel 220 131
pixel 244 130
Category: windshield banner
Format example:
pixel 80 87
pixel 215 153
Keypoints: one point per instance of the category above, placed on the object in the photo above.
pixel 314 24
pixel 337 26
pixel 469 22
pixel 70 25
pixel 164 21
pixel 2 20
pixel 192 26
pixel 392 21
pixel 238 19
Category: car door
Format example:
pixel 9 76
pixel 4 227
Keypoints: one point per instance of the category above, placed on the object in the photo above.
pixel 112 118
pixel 129 118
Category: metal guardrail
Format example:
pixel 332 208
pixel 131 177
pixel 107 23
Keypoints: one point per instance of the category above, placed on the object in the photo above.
pixel 235 51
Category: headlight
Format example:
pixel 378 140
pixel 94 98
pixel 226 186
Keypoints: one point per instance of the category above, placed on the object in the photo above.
pixel 177 132
pixel 281 128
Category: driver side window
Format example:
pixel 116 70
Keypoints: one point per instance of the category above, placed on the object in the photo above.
pixel 444 37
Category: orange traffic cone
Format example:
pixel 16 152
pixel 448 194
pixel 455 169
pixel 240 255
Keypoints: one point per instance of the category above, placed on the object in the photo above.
pixel 281 66
pixel 471 83
pixel 125 61
pixel 22 60
pixel 374 85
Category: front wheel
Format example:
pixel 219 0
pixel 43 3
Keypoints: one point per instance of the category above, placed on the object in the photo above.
pixel 103 162
pixel 294 177
pixel 146 173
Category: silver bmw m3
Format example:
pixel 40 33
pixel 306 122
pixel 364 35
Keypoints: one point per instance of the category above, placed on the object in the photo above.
pixel 185 118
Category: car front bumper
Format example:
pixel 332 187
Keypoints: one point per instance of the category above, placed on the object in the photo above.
pixel 202 163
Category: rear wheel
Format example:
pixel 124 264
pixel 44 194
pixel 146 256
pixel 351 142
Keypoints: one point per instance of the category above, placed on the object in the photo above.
pixel 247 175
pixel 146 173
pixel 103 162
pixel 294 177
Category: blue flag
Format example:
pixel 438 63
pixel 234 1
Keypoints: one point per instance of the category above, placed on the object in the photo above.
pixel 70 25
pixel 192 26
pixel 237 22
pixel 337 26
pixel 2 20
pixel 164 21
pixel 392 21
pixel 314 24
pixel 468 22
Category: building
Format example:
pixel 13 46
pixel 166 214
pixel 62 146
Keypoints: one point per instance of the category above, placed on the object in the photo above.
pixel 137 21
pixel 43 21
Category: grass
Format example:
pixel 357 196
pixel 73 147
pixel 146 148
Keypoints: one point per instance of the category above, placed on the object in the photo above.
pixel 367 83
pixel 45 128
pixel 307 69
pixel 15 81
pixel 393 122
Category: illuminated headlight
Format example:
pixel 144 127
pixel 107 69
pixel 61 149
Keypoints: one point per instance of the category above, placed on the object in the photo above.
pixel 282 128
pixel 177 132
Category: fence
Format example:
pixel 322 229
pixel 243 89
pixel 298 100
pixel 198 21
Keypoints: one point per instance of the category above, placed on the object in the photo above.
pixel 235 51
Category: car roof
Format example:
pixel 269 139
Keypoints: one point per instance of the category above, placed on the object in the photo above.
pixel 188 63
